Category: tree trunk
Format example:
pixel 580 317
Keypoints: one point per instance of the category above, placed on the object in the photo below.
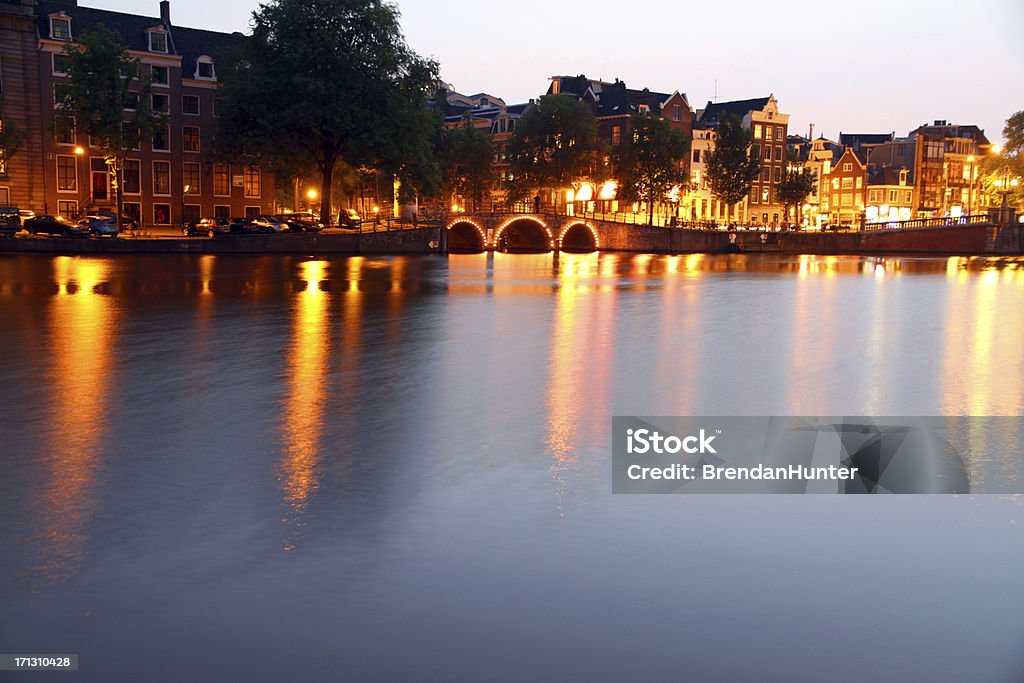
pixel 119 179
pixel 326 185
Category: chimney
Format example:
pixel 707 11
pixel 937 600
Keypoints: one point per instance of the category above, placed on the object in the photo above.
pixel 165 11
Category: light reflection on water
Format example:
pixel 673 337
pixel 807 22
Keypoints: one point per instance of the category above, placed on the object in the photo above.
pixel 401 463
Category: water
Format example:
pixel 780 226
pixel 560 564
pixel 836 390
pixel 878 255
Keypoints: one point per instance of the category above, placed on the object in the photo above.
pixel 386 469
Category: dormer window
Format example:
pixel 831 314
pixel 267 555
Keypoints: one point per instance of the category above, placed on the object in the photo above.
pixel 60 26
pixel 204 68
pixel 157 40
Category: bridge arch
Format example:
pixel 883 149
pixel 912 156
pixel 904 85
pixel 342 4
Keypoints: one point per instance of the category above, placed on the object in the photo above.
pixel 465 234
pixel 578 236
pixel 524 233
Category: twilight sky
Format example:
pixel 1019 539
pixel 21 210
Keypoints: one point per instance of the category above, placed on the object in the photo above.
pixel 854 66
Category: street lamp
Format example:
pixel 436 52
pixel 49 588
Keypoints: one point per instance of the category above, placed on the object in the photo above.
pixel 79 151
pixel 311 194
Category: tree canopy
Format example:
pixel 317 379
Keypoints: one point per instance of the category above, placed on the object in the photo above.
pixel 730 168
pixel 108 97
pixel 555 144
pixel 335 81
pixel 467 162
pixel 652 161
pixel 796 184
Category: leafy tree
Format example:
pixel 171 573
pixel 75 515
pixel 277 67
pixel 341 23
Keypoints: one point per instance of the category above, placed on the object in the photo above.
pixel 796 184
pixel 1013 131
pixel 651 162
pixel 335 81
pixel 997 169
pixel 12 137
pixel 555 144
pixel 730 168
pixel 467 162
pixel 109 98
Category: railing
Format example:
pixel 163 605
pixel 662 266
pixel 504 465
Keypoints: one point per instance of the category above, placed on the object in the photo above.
pixel 918 223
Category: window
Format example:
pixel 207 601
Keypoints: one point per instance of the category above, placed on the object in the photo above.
pixel 847 199
pixel 757 131
pixel 847 183
pixel 781 133
pixel 130 176
pixel 696 156
pixel 777 174
pixel 64 128
pixel 161 103
pixel 767 152
pixel 778 153
pixel 157 41
pixel 252 182
pixel 908 196
pixel 161 140
pixel 162 177
pixel 755 151
pixel 133 210
pixel 847 167
pixel 60 64
pixel 192 212
pixel 221 180
pixel 873 195
pixel 765 195
pixel 222 211
pixel 162 214
pixel 860 183
pixel 616 135
pixel 190 105
pixel 252 211
pixel 190 139
pixel 131 101
pixel 204 68
pixel 67 173
pixel 754 196
pixel 892 196
pixel 67 207
pixel 130 134
pixel 766 174
pixel 60 94
pixel 190 178
pixel 60 27
pixel 160 75
pixel 676 112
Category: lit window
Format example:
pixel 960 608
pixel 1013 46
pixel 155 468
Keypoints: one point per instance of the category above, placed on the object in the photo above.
pixel 757 131
pixel 60 28
pixel 190 178
pixel 860 183
pixel 162 177
pixel 847 167
pixel 162 214
pixel 190 139
pixel 767 132
pixel 252 182
pixel 616 135
pixel 847 183
pixel 847 200
pixel 67 173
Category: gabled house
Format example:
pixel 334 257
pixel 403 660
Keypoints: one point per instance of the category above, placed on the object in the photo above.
pixel 847 183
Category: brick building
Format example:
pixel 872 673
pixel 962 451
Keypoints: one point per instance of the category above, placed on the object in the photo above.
pixel 166 182
pixel 846 187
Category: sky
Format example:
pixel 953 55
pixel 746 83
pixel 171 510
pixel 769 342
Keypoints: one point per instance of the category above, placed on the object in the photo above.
pixel 854 66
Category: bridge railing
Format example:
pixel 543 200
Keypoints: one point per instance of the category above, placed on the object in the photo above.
pixel 917 223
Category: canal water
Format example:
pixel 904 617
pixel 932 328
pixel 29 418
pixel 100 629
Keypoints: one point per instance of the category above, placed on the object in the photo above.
pixel 398 468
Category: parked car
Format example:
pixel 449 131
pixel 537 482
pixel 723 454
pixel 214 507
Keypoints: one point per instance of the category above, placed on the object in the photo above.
pixel 245 226
pixel 301 222
pixel 210 226
pixel 10 221
pixel 55 225
pixel 100 226
pixel 25 214
pixel 270 224
pixel 349 218
pixel 127 222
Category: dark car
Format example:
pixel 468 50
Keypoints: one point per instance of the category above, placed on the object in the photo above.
pixel 10 221
pixel 55 225
pixel 127 222
pixel 211 227
pixel 301 222
pixel 349 218
pixel 100 226
pixel 246 226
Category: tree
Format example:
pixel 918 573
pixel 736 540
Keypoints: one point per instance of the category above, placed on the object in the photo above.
pixel 651 162
pixel 109 98
pixel 335 81
pixel 555 144
pixel 467 162
pixel 999 170
pixel 795 186
pixel 730 168
pixel 1013 131
pixel 12 137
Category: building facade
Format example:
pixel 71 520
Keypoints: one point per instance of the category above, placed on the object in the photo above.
pixel 846 188
pixel 169 180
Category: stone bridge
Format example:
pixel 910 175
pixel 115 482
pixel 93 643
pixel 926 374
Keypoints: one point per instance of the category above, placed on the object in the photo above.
pixel 554 232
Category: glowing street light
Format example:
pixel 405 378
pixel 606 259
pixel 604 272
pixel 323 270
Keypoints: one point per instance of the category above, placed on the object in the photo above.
pixel 79 151
pixel 311 194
